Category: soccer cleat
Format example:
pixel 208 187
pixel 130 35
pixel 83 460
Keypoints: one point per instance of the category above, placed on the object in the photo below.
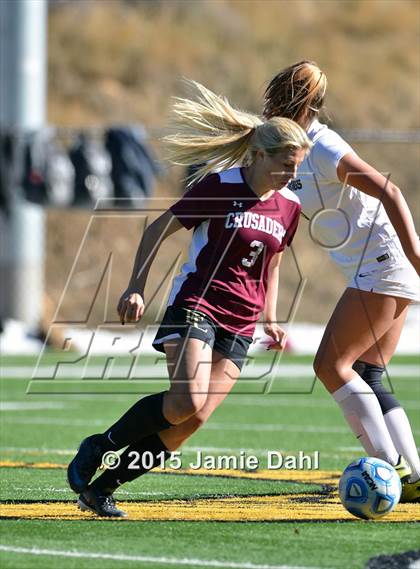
pixel 102 505
pixel 410 492
pixel 403 469
pixel 84 465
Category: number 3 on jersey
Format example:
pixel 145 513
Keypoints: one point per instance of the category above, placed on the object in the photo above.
pixel 253 254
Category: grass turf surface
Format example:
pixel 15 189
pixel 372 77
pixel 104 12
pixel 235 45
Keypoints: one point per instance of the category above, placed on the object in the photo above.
pixel 42 428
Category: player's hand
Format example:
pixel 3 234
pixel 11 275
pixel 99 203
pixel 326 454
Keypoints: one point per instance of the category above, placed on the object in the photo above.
pixel 278 335
pixel 130 307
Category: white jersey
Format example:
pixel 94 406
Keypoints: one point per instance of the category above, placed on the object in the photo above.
pixel 353 226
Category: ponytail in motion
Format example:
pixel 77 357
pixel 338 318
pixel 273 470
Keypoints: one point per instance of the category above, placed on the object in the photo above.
pixel 213 134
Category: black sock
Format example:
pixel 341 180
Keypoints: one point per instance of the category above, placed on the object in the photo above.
pixel 372 374
pixel 134 455
pixel 144 418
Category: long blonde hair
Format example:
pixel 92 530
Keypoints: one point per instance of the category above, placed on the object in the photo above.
pixel 214 136
pixel 296 92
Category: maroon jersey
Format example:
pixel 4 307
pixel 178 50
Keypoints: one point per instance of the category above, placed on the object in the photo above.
pixel 235 236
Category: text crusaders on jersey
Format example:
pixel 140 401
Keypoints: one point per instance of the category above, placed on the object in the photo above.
pixel 235 236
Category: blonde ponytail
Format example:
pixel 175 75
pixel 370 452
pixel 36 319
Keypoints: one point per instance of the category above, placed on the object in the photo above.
pixel 216 136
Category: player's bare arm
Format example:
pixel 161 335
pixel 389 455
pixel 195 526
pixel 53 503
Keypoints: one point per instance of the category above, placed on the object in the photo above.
pixel 356 172
pixel 271 328
pixel 131 305
pixel 379 258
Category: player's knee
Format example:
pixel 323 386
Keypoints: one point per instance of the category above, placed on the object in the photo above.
pixel 195 422
pixel 191 426
pixel 196 402
pixel 200 418
pixel 182 432
pixel 187 405
pixel 322 367
pixel 327 370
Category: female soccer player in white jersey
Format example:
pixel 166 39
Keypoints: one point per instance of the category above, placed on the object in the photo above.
pixel 243 218
pixel 364 221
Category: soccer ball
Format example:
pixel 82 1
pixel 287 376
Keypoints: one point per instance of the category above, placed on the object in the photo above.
pixel 369 488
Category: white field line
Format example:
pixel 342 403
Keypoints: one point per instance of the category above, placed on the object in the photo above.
pixel 259 452
pixel 142 558
pixel 254 427
pixel 292 401
pixel 238 400
pixel 235 399
pixel 31 405
pixel 53 421
pixel 146 372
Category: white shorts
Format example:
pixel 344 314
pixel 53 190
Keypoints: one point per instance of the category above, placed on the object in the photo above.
pixel 398 279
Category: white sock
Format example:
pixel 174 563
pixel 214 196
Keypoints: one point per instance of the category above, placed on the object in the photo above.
pixel 363 413
pixel 402 436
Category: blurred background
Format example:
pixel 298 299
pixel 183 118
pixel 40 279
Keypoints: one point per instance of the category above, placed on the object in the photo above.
pixel 96 87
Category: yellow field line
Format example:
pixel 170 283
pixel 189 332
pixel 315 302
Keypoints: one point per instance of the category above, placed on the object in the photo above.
pixel 287 507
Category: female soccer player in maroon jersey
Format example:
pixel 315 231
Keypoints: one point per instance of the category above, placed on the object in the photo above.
pixel 243 218
pixel 363 220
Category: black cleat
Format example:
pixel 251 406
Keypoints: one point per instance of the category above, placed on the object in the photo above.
pixel 84 465
pixel 104 505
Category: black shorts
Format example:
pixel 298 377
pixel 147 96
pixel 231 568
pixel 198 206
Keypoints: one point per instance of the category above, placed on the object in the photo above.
pixel 180 322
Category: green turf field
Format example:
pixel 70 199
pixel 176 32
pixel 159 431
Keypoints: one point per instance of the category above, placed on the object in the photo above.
pixel 231 519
